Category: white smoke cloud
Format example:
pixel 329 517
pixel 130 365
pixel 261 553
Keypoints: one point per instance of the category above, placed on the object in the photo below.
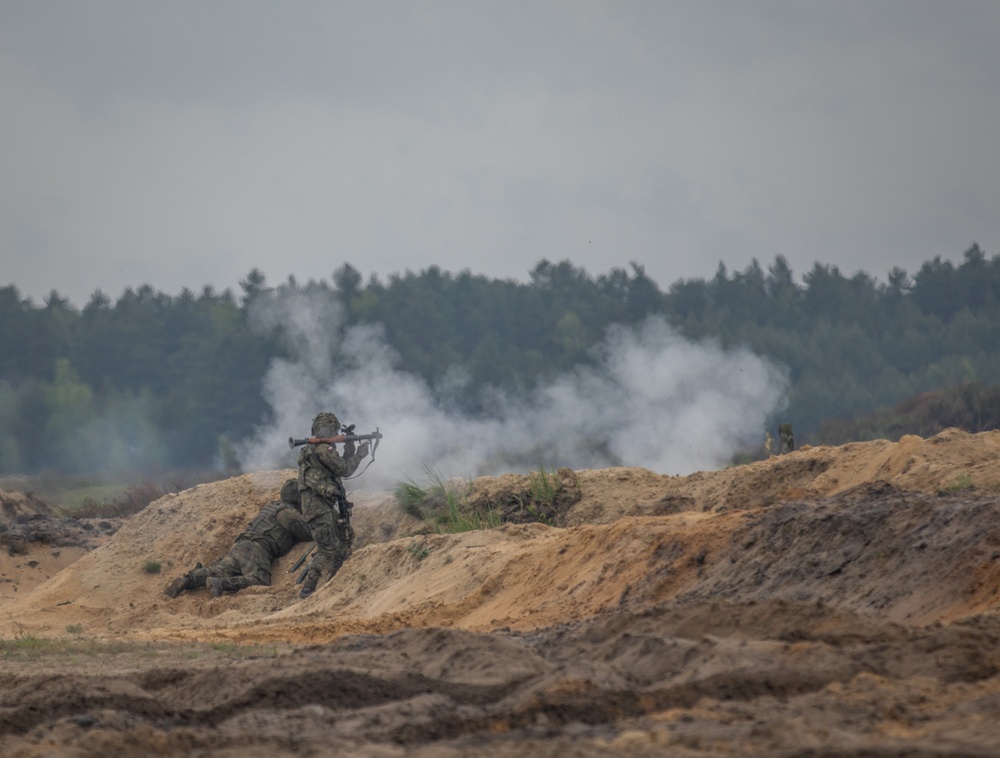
pixel 650 398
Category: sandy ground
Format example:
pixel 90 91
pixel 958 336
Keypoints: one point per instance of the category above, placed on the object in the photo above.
pixel 832 601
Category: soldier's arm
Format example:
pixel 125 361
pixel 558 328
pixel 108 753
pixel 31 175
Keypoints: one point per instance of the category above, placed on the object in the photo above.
pixel 295 523
pixel 335 463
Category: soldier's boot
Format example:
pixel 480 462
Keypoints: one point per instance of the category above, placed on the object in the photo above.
pixel 309 583
pixel 187 582
pixel 216 586
pixel 219 584
pixel 179 584
pixel 334 567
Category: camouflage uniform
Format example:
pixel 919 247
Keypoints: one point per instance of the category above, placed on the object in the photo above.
pixel 787 439
pixel 324 500
pixel 274 531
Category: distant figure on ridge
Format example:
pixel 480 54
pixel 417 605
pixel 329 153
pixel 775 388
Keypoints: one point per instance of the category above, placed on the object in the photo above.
pixel 787 440
pixel 274 531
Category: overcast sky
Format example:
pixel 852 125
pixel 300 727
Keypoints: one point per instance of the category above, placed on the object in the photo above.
pixel 182 144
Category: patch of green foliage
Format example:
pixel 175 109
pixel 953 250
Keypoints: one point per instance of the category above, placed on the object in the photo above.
pixel 961 483
pixel 411 497
pixel 465 517
pixel 543 486
pixel 544 497
pixel 151 567
pixel 444 506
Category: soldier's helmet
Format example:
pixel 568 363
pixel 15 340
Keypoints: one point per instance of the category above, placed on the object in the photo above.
pixel 325 425
pixel 290 492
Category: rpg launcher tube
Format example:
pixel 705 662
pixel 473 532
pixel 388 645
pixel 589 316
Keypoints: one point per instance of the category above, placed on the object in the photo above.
pixel 294 442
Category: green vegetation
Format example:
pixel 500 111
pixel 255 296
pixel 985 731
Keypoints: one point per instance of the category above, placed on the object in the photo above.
pixel 152 382
pixel 961 483
pixel 411 498
pixel 467 518
pixel 543 486
pixel 446 507
pixel 443 505
pixel 151 567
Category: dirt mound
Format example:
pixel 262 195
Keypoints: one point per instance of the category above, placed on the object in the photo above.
pixel 14 504
pixel 35 545
pixel 810 509
pixel 839 599
pixel 541 497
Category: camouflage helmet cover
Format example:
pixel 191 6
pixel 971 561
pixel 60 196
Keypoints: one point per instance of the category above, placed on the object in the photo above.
pixel 290 492
pixel 325 423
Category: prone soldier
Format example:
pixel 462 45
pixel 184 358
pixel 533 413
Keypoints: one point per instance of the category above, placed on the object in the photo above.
pixel 273 532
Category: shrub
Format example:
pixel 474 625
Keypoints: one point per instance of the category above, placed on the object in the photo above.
pixel 442 505
pixel 445 506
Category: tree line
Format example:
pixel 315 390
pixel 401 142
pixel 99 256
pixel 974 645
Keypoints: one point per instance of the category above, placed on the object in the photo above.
pixel 159 381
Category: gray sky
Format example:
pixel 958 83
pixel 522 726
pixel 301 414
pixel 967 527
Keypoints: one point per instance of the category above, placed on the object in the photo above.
pixel 181 143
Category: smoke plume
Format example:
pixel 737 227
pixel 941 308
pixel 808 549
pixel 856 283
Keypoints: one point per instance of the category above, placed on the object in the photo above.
pixel 650 398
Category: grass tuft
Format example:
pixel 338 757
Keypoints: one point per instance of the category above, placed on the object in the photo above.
pixel 411 497
pixel 961 483
pixel 443 505
pixel 543 486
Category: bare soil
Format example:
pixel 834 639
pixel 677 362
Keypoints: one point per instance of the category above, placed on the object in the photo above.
pixel 832 601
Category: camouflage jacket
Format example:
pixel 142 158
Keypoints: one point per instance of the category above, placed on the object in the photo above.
pixel 278 526
pixel 321 468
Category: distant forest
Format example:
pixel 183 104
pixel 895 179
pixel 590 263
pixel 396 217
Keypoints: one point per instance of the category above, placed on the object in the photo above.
pixel 187 369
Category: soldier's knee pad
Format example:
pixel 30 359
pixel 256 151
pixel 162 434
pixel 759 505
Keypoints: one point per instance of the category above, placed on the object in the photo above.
pixel 323 535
